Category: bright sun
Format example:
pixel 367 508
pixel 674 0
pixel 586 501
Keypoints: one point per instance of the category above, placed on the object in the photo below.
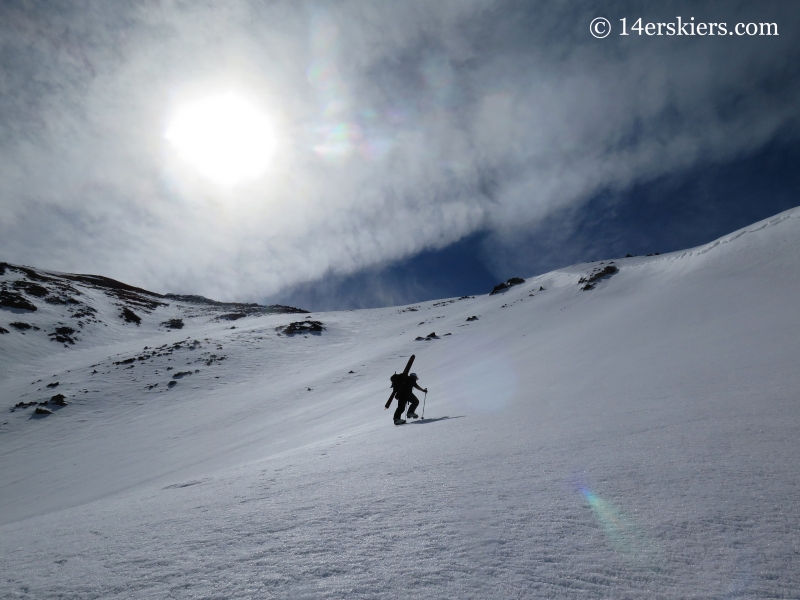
pixel 224 137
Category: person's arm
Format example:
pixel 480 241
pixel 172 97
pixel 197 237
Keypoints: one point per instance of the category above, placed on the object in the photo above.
pixel 419 388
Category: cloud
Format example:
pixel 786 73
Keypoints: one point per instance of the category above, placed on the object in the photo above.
pixel 401 127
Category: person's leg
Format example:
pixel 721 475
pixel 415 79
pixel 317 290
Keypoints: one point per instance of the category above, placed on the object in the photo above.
pixel 413 403
pixel 401 407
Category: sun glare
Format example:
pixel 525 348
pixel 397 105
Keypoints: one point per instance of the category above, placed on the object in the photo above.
pixel 225 138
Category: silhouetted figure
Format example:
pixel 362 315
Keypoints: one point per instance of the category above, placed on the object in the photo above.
pixel 405 394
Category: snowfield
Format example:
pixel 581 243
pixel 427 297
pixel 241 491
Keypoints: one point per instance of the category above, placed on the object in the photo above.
pixel 639 439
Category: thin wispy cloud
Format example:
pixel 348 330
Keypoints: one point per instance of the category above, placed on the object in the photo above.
pixel 399 127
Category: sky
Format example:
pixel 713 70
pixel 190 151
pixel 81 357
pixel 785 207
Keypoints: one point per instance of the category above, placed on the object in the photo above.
pixel 351 154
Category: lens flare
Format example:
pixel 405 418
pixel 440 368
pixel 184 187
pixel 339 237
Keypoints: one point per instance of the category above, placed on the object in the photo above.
pixel 341 132
pixel 621 532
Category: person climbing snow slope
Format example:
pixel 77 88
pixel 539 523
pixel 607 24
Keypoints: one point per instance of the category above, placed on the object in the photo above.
pixel 405 394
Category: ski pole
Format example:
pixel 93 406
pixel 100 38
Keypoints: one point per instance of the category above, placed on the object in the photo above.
pixel 423 404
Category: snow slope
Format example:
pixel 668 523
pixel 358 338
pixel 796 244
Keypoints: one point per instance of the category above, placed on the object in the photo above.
pixel 638 439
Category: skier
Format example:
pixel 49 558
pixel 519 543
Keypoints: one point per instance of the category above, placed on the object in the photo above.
pixel 406 394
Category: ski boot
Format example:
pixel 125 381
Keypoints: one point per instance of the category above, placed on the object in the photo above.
pixel 399 421
pixel 412 416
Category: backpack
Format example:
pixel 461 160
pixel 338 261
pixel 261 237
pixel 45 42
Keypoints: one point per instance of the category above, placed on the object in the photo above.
pixel 399 383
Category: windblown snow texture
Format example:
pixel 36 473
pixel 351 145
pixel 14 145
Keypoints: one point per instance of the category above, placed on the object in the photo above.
pixel 637 440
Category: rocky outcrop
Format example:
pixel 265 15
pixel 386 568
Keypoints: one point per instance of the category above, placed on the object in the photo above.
pixel 502 287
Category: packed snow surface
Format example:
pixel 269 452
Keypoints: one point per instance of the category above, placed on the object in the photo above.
pixel 636 439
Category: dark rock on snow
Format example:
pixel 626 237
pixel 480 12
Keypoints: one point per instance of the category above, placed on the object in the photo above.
pixel 240 306
pixel 58 400
pixel 173 324
pixel 431 336
pixel 61 300
pixel 34 289
pixel 504 286
pixel 181 374
pixel 232 316
pixel 129 316
pixel 302 327
pixel 63 335
pixel 12 300
pixel 590 280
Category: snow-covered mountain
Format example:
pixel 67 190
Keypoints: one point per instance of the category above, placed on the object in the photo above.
pixel 627 428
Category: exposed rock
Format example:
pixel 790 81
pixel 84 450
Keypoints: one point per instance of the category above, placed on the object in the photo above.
pixel 239 306
pixel 142 298
pixel 53 385
pixel 83 311
pixel 30 273
pixel 42 411
pixel 129 316
pixel 501 287
pixel 21 326
pixel 589 281
pixel 232 316
pixel 12 300
pixel 63 335
pixel 302 327
pixel 58 400
pixel 2 331
pixel 34 289
pixel 181 374
pixel 62 300
pixel 472 318
pixel 173 324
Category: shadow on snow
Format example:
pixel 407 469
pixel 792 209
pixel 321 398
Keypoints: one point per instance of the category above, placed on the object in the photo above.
pixel 426 421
